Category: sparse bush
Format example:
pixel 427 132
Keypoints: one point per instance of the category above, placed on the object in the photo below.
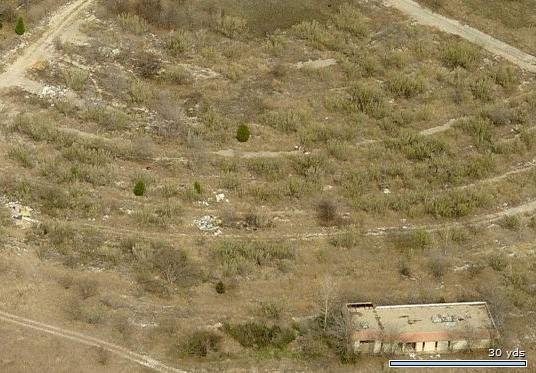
pixel 511 222
pixel 418 147
pixel 326 213
pixel 220 287
pixel 243 133
pixel 288 121
pixel 132 23
pixel 256 335
pixel 457 204
pixel 177 43
pixel 404 269
pixel 229 26
pixel 460 54
pixel 139 188
pixel 406 86
pixel 87 287
pixel 316 33
pixel 201 343
pixel 174 266
pixel 367 100
pixel 482 88
pixel 24 155
pixel 75 78
pixel 349 19
pixel 438 266
pixel 148 65
pixel 243 257
pixel 178 75
pixel 270 311
pixel 498 262
pixel 505 76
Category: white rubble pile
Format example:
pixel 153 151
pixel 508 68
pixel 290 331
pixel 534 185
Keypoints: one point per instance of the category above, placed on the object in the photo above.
pixel 19 213
pixel 209 223
pixel 52 91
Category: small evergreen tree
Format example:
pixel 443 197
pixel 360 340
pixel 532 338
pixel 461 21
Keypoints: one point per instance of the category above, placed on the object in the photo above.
pixel 242 133
pixel 20 29
pixel 139 188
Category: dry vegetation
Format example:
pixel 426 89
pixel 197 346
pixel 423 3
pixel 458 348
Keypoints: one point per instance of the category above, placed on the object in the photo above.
pixel 120 170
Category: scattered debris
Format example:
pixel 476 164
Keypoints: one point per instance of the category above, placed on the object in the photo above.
pixel 209 223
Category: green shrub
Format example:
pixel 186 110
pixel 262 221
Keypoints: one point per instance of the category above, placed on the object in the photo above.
pixel 256 335
pixel 201 342
pixel 20 28
pixel 220 287
pixel 243 133
pixel 139 188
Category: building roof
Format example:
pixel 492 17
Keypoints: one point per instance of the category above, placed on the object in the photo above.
pixel 421 322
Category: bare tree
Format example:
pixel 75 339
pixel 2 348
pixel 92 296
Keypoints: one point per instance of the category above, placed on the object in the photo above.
pixel 327 297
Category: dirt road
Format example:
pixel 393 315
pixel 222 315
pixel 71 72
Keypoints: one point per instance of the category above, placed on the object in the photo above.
pixel 41 49
pixel 89 341
pixel 428 18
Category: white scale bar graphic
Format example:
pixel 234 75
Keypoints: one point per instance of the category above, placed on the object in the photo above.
pixel 457 363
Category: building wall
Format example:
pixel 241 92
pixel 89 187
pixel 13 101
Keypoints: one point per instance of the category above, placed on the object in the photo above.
pixel 420 347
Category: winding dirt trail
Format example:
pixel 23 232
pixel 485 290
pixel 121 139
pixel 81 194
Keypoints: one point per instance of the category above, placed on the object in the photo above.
pixel 427 17
pixel 89 341
pixel 41 49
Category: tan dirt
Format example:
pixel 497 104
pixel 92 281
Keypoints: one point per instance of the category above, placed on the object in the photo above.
pixel 426 17
pixel 89 341
pixel 42 49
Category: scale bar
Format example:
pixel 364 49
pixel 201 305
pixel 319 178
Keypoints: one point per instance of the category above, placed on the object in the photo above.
pixel 458 363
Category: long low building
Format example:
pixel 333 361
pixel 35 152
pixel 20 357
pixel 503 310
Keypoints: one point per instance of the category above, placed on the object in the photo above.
pixel 420 328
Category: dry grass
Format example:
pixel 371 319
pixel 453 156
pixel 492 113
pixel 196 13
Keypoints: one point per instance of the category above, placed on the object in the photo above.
pixel 288 216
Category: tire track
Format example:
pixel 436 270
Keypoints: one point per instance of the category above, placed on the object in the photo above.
pixel 89 341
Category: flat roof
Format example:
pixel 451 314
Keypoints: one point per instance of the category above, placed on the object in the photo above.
pixel 421 322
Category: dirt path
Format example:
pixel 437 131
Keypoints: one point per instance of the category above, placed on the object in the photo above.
pixel 89 341
pixel 426 17
pixel 41 49
pixel 494 179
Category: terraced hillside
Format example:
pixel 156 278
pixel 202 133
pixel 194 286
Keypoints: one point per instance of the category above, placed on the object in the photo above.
pixel 206 182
